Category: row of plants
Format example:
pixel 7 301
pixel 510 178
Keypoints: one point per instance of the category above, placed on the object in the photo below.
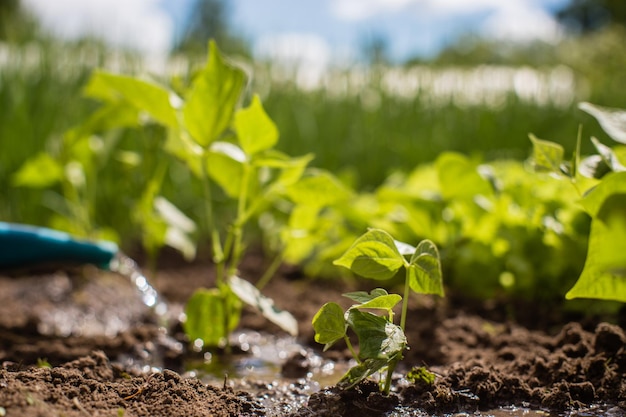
pixel 346 134
pixel 518 232
pixel 502 228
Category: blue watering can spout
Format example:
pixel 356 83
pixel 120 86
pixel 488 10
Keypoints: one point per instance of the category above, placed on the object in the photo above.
pixel 25 246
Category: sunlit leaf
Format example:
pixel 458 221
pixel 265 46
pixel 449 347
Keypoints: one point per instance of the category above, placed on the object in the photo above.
pixel 425 275
pixel 547 156
pixel 613 121
pixel 181 146
pixel 364 296
pixel 208 319
pixel 145 96
pixel 593 166
pixel 40 171
pixel 256 132
pixel 459 177
pixel 376 299
pixel 609 157
pixel 612 183
pixel 303 218
pixel 318 188
pixel 250 295
pixel 604 274
pixel 179 227
pixel 215 92
pixel 225 171
pixel 404 248
pixel 329 324
pixel 373 255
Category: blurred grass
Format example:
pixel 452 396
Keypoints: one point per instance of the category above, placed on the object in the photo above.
pixel 370 145
pixel 362 137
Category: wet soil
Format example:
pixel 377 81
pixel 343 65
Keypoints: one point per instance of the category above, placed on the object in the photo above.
pixel 76 342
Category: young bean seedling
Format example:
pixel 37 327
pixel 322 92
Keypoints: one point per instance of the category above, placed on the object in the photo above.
pixel 378 256
pixel 231 152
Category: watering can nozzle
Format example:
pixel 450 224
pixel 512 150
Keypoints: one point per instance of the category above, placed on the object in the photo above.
pixel 24 246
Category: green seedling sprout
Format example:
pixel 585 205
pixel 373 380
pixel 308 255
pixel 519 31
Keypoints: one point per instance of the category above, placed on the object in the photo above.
pixel 604 273
pixel 376 255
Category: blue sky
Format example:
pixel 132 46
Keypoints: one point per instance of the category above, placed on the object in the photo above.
pixel 410 26
pixel 329 29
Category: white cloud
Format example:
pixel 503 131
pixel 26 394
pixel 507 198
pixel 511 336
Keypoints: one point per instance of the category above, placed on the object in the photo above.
pixel 138 24
pixel 519 20
pixel 294 48
pixel 307 56
pixel 364 9
pixel 522 24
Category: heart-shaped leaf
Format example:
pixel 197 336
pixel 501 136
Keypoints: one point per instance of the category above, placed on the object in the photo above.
pixel 373 255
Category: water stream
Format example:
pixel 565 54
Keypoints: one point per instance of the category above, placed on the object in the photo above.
pixel 125 266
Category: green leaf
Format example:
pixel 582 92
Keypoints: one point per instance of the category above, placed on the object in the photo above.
pixel 360 372
pixel 145 96
pixel 319 188
pixel 207 318
pixel 547 156
pixel 459 177
pixel 613 121
pixel 608 155
pixel 215 92
pixel 153 228
pixel 179 227
pixel 329 324
pixel 404 248
pixel 180 145
pixel 425 275
pixel 110 116
pixel 364 296
pixel 255 130
pixel 378 337
pixel 593 166
pixel 376 299
pixel 373 255
pixel 250 295
pixel 224 168
pixel 41 171
pixel 291 169
pixel 604 274
pixel 303 218
pixel 612 183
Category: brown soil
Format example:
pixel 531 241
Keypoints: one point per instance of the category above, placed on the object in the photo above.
pixel 481 357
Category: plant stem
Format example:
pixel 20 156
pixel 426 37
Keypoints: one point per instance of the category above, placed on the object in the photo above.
pixel 351 348
pixel 270 271
pixel 216 247
pixel 405 299
pixel 390 368
pixel 237 229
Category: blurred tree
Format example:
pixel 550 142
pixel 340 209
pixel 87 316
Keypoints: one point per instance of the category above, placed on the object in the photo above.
pixel 583 16
pixel 208 19
pixel 16 25
pixel 473 50
pixel 375 48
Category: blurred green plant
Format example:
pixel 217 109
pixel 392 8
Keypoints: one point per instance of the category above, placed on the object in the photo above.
pixel 518 232
pixel 228 149
pixel 604 273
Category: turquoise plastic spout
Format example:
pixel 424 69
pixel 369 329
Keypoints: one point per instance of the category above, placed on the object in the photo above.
pixel 26 246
